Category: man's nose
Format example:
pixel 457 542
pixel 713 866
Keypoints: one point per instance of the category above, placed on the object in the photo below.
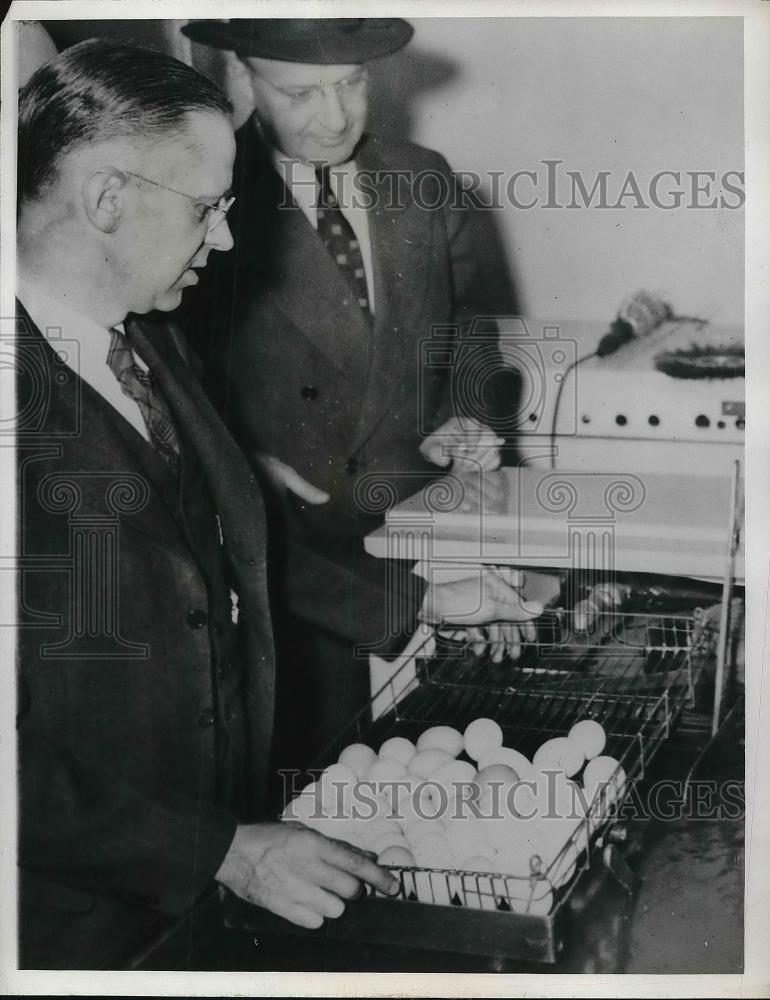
pixel 219 237
pixel 334 114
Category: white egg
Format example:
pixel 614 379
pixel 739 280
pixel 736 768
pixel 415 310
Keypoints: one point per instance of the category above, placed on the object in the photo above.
pixel 307 803
pixel 424 763
pixel 328 826
pixel 603 782
pixel 558 837
pixel 476 863
pixel 378 827
pixel 414 802
pixel 398 748
pixel 354 841
pixel 336 788
pixel 359 758
pixel 433 851
pixel 517 841
pixel 456 778
pixel 383 773
pixel 455 771
pixel 441 738
pixel 556 797
pixel 366 804
pixel 423 828
pixel 399 857
pixel 481 737
pixel 590 736
pixel 505 755
pixel 495 782
pixel 386 840
pixel 560 753
pixel 468 839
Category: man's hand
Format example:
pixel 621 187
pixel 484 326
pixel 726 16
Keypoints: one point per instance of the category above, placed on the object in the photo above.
pixel 284 477
pixel 491 596
pixel 466 443
pixel 298 873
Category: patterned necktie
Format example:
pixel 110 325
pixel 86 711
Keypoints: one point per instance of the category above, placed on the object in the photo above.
pixel 341 242
pixel 139 385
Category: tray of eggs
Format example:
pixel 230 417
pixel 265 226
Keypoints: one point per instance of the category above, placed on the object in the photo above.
pixel 463 820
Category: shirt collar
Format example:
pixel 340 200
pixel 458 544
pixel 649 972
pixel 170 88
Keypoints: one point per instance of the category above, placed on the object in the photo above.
pixel 300 180
pixel 59 322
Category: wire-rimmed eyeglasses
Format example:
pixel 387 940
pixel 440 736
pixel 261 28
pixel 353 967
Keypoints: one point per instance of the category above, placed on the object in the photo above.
pixel 214 214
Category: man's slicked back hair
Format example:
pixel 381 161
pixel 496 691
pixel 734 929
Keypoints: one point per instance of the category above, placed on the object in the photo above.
pixel 100 90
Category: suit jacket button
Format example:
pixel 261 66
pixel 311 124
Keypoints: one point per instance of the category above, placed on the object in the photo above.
pixel 309 392
pixel 197 618
pixel 352 466
pixel 206 718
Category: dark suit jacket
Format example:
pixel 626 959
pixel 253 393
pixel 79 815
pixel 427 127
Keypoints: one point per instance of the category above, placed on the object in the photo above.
pixel 298 372
pixel 121 713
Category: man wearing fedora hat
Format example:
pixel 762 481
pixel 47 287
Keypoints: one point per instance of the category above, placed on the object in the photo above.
pixel 313 330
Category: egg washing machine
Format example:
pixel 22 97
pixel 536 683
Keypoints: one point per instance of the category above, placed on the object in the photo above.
pixel 647 654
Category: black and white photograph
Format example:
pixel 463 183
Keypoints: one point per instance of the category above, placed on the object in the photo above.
pixel 384 548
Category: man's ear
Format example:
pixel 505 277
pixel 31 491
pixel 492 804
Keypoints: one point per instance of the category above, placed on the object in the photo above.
pixel 239 87
pixel 104 198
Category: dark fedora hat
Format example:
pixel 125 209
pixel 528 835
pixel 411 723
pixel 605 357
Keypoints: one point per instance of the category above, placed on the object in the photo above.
pixel 321 41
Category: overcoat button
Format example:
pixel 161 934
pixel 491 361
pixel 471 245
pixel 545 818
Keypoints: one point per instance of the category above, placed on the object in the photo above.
pixel 197 618
pixel 309 392
pixel 217 632
pixel 206 717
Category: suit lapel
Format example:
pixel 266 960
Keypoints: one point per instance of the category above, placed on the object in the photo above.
pixel 238 503
pixel 107 447
pixel 278 247
pixel 236 496
pixel 400 239
pixel 313 292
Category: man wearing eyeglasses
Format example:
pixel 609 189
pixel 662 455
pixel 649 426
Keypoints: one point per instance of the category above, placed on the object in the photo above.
pixel 312 332
pixel 145 666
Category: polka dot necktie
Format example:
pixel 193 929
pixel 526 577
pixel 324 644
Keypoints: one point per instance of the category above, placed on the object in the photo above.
pixel 339 239
pixel 139 385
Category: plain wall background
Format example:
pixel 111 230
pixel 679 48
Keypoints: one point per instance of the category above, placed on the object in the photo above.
pixel 616 94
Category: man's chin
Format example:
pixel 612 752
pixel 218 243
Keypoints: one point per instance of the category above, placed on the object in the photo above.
pixel 331 154
pixel 168 301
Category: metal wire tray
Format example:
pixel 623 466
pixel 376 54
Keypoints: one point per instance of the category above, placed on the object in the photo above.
pixel 634 673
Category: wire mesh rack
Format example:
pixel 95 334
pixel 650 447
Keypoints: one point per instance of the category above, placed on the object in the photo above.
pixel 633 673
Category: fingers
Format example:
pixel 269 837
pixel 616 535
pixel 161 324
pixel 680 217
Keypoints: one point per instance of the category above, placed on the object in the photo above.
pixel 295 913
pixel 505 602
pixel 510 575
pixel 467 442
pixel 358 864
pixel 302 488
pixel 341 883
pixel 476 640
pixel 497 642
pixel 284 477
pixel 481 451
pixel 528 630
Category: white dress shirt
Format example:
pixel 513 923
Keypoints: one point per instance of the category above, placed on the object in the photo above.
pixel 301 181
pixel 83 345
